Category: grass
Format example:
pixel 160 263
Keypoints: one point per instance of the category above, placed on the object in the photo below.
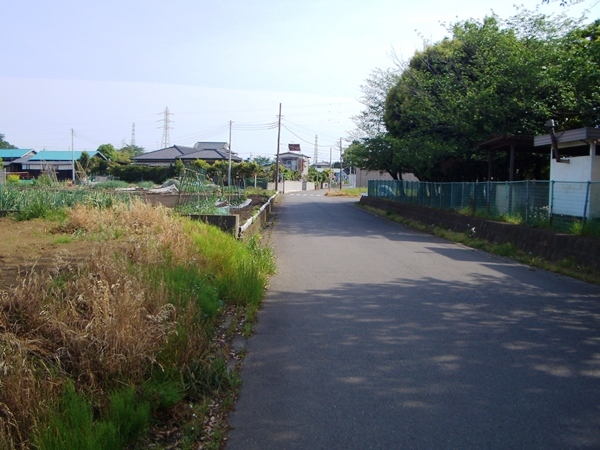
pixel 346 192
pixel 507 250
pixel 72 425
pixel 96 350
pixel 585 228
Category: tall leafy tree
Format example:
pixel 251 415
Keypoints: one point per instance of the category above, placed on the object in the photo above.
pixel 109 151
pixel 373 148
pixel 491 78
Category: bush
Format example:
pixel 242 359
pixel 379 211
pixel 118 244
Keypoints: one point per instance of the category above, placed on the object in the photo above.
pixel 133 173
pixel 12 179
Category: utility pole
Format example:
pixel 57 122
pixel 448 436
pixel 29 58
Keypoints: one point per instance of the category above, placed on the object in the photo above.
pixel 72 157
pixel 330 167
pixel 229 170
pixel 277 158
pixel 341 164
pixel 316 158
pixel 166 141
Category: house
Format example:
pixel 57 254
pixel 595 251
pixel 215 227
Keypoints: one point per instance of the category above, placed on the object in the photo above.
pixel 9 155
pixel 294 159
pixel 206 151
pixel 57 161
pixel 320 166
pixel 574 171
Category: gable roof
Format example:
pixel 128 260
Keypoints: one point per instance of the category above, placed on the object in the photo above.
pixel 14 153
pixel 58 155
pixel 569 137
pixel 208 151
pixel 63 155
pixel 293 155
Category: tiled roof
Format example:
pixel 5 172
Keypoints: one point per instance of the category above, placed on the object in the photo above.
pixel 187 153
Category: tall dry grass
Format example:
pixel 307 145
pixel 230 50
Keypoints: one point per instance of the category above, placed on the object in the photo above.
pixel 99 320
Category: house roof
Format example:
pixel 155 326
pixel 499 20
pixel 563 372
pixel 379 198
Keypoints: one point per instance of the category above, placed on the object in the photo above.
pixel 569 137
pixel 58 155
pixel 293 155
pixel 175 152
pixel 14 153
pixel 211 146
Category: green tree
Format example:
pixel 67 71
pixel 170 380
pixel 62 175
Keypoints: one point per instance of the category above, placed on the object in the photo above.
pixel 109 151
pixel 5 144
pixel 380 153
pixel 262 160
pixel 244 170
pixel 124 154
pixel 201 164
pixel 373 148
pixel 491 78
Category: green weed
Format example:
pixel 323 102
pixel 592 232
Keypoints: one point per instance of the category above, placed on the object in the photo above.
pixel 72 425
pixel 62 240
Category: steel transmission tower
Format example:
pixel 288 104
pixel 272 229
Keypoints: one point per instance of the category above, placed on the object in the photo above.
pixel 166 141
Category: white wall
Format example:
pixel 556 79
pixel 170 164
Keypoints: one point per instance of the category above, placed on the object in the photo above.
pixel 578 169
pixel 293 186
pixel 571 184
pixel 363 177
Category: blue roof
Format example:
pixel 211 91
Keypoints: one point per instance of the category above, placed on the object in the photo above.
pixel 14 152
pixel 60 155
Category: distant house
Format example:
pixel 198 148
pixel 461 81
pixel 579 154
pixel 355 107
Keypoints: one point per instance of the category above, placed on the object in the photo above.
pixel 206 151
pixel 58 161
pixel 295 160
pixel 321 165
pixel 9 155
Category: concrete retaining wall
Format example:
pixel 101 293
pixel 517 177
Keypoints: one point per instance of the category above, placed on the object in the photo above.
pixel 228 223
pixel 546 244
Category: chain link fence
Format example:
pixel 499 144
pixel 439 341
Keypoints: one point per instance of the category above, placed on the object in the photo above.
pixel 531 202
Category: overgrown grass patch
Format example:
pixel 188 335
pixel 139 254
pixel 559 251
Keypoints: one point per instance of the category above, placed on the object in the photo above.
pixel 346 192
pixel 93 348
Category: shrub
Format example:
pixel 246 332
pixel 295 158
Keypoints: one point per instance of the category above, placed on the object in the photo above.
pixel 12 179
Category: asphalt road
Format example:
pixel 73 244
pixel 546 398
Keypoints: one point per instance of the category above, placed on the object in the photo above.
pixel 373 336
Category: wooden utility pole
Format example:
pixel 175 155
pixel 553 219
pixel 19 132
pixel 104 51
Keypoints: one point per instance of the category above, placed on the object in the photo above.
pixel 330 168
pixel 229 169
pixel 277 158
pixel 341 165
pixel 72 157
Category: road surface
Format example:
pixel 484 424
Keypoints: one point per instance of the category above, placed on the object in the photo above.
pixel 374 336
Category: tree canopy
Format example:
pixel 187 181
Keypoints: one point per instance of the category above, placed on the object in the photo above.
pixel 491 77
pixel 5 144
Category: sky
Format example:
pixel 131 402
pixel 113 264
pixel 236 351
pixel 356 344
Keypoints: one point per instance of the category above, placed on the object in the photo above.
pixel 84 73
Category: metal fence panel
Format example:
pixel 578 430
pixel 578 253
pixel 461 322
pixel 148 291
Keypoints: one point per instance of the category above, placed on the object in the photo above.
pixel 536 203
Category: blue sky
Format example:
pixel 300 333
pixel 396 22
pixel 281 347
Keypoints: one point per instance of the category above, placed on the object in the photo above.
pixel 99 67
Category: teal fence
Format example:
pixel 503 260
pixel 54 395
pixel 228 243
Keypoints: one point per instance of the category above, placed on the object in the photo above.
pixel 530 202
